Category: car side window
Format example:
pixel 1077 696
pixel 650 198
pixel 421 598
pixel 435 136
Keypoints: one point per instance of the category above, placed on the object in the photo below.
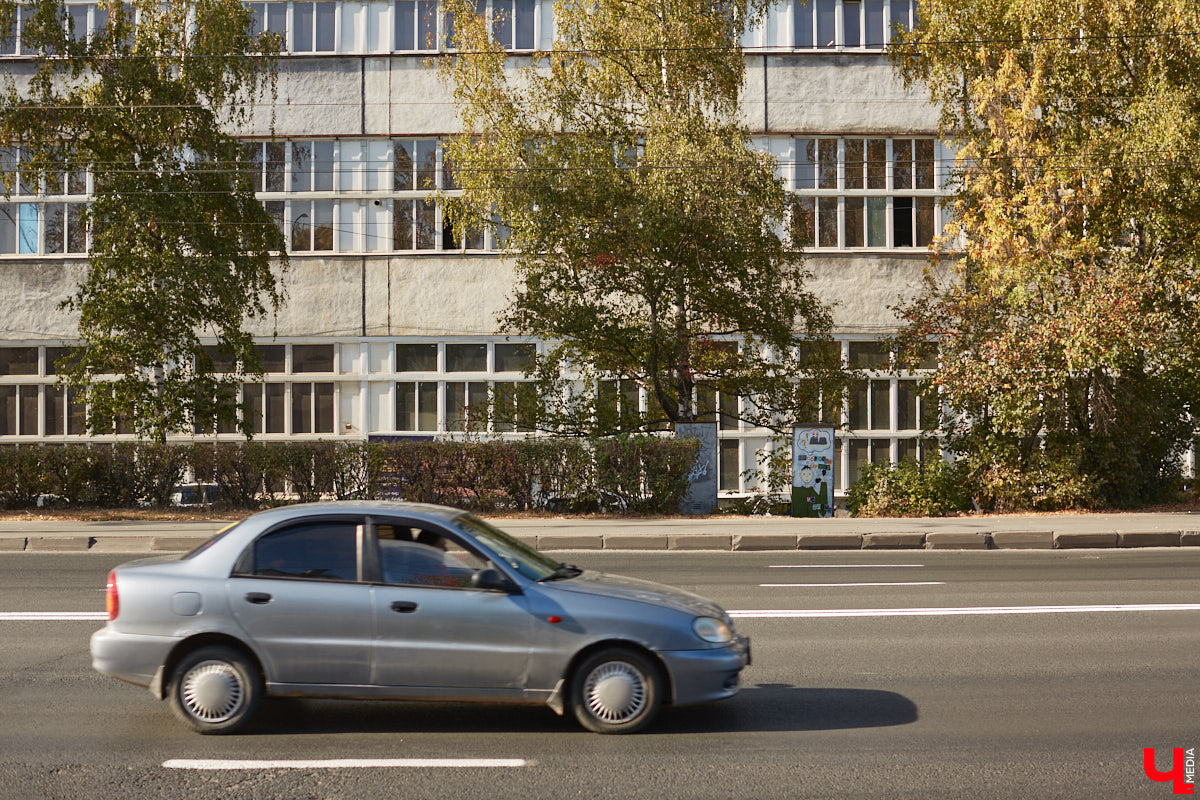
pixel 414 556
pixel 326 551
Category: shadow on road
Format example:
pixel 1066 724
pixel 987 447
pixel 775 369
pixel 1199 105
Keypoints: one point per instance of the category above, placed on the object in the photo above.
pixel 765 707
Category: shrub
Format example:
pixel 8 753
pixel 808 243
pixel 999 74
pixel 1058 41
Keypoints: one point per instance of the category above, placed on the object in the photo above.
pixel 911 489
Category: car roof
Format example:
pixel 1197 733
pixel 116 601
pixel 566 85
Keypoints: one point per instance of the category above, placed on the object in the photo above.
pixel 363 507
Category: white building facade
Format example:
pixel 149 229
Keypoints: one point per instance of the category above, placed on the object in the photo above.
pixel 390 323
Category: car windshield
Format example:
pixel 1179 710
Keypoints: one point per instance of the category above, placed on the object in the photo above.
pixel 515 553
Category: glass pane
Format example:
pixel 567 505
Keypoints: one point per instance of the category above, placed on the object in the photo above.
pixel 858 405
pixel 881 451
pixel 729 466
pixel 804 218
pixel 222 363
pixel 827 164
pixel 854 221
pixel 906 405
pixel 427 406
pixel 301 166
pixel 277 21
pixel 8 410
pixel 325 26
pixel 271 356
pixel 18 361
pixel 29 410
pixel 427 24
pixel 301 226
pixel 312 358
pixel 806 160
pixel 868 355
pixel 425 160
pixel 502 22
pixel 8 228
pixel 827 222
pixel 77 23
pixel 252 399
pixel 924 215
pixel 406 25
pixel 275 164
pixel 416 358
pixel 874 28
pixel 514 357
pixel 466 357
pixel 902 163
pixel 924 163
pixel 56 402
pixel 803 17
pixel 906 450
pixel 851 9
pixel 302 27
pixel 402 166
pixel 877 163
pixel 406 406
pixel 323 225
pixel 322 166
pixel 854 163
pixel 426 225
pixel 28 228
pixel 324 407
pixel 325 551
pixel 302 407
pixel 76 414
pixel 524 11
pixel 76 230
pixel 402 224
pixel 55 224
pixel 902 221
pixel 456 401
pixel 876 222
pixel 881 416
pixel 826 23
pixel 857 451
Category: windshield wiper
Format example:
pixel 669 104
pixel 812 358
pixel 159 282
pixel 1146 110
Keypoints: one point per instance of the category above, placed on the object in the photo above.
pixel 562 572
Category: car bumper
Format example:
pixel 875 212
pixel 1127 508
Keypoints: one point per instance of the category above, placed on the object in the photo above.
pixel 701 676
pixel 130 657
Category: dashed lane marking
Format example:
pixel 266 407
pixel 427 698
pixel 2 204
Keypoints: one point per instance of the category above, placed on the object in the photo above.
pixel 880 583
pixel 810 613
pixel 344 763
pixel 53 616
pixel 842 566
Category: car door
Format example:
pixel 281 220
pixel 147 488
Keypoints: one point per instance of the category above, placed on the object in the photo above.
pixel 432 628
pixel 297 591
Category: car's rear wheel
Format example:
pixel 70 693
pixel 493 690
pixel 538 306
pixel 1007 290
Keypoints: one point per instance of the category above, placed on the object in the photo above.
pixel 215 690
pixel 617 690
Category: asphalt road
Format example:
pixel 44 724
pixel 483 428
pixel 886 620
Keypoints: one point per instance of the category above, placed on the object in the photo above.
pixel 888 705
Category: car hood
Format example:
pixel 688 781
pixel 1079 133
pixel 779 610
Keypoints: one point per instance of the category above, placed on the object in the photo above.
pixel 603 585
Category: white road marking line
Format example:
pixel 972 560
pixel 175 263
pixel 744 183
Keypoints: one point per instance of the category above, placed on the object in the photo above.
pixel 61 616
pixel 840 566
pixel 953 612
pixel 882 583
pixel 344 763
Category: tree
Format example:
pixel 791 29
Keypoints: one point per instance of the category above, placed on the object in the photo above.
pixel 1067 326
pixel 646 232
pixel 179 246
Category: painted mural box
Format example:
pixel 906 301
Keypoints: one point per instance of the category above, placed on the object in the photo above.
pixel 701 497
pixel 812 471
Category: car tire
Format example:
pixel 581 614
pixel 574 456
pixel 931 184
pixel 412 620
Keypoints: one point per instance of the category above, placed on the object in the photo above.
pixel 215 690
pixel 617 690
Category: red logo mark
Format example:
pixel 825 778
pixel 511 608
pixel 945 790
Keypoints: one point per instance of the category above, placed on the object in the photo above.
pixel 1182 774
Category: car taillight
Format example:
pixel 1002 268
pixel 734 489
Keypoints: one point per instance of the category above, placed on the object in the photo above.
pixel 112 601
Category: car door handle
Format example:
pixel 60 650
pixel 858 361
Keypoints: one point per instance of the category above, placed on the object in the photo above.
pixel 404 606
pixel 258 598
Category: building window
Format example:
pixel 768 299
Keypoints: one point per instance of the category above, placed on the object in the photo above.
pixel 865 24
pixel 865 193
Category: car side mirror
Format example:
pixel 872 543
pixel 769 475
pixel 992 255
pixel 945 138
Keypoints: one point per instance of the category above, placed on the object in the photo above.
pixel 492 579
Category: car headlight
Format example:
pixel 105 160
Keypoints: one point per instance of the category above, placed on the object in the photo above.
pixel 711 629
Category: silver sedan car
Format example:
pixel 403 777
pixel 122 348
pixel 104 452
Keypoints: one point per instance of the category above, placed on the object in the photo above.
pixel 405 601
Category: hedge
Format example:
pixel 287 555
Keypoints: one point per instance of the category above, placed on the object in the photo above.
pixel 638 474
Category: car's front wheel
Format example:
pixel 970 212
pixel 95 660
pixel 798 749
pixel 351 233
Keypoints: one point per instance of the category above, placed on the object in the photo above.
pixel 617 690
pixel 215 690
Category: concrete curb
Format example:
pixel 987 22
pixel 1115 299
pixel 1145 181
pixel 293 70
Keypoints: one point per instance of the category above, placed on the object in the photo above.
pixel 695 542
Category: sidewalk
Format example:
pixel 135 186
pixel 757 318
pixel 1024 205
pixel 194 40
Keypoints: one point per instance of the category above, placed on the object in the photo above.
pixel 1059 531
